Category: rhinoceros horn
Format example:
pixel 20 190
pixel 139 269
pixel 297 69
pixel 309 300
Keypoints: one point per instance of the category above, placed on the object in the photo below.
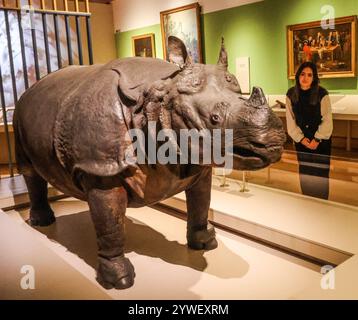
pixel 222 61
pixel 257 98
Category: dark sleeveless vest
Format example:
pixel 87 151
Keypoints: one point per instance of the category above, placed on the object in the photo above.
pixel 308 117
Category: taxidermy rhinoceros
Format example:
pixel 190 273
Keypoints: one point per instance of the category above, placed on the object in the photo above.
pixel 72 127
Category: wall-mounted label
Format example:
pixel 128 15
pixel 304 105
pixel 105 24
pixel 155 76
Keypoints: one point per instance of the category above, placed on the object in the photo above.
pixel 243 73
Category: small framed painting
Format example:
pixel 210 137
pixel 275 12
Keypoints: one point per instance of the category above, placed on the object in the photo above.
pixel 143 45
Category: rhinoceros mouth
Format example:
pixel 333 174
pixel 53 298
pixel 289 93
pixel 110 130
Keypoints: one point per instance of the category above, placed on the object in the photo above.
pixel 245 152
pixel 254 157
pixel 248 154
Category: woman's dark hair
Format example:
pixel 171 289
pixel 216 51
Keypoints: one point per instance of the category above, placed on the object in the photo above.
pixel 314 85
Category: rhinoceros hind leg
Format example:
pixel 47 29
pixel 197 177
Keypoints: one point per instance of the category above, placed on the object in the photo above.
pixel 108 207
pixel 200 234
pixel 41 213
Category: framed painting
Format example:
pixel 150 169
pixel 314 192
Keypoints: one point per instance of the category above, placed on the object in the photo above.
pixel 184 23
pixel 143 45
pixel 332 48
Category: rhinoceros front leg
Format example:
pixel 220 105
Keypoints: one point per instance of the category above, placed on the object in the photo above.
pixel 41 213
pixel 200 233
pixel 108 209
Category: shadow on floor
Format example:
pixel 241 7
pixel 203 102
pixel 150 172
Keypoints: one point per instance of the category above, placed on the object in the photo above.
pixel 76 232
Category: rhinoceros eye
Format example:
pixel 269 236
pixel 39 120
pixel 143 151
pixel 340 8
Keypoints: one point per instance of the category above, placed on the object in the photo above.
pixel 196 82
pixel 215 118
pixel 229 78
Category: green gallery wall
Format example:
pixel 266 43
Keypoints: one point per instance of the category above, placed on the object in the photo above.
pixel 258 31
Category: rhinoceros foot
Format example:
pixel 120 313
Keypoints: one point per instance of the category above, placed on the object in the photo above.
pixel 41 217
pixel 203 239
pixel 115 273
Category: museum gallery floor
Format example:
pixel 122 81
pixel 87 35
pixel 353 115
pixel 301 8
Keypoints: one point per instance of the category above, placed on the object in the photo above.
pixel 64 254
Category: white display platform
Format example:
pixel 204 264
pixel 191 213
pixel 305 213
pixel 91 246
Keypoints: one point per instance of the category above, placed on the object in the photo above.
pixel 54 278
pixel 156 244
pixel 282 218
pixel 329 223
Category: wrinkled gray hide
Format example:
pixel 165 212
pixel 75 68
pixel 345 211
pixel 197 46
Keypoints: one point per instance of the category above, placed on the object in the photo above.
pixel 70 131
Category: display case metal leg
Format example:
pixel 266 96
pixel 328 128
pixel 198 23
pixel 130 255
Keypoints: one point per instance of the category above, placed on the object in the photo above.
pixel 223 181
pixel 244 183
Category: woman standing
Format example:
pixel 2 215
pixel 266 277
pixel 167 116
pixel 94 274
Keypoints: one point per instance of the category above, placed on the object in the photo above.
pixel 310 125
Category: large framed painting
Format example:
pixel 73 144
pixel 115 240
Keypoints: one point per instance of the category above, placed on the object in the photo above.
pixel 332 49
pixel 184 23
pixel 143 45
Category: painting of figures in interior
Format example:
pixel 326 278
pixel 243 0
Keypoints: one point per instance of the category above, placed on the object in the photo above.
pixel 331 47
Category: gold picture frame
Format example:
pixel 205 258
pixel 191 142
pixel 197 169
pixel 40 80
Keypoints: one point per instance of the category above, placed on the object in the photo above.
pixel 184 23
pixel 143 45
pixel 333 50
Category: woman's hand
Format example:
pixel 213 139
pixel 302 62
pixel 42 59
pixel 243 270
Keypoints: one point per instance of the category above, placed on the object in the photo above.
pixel 313 145
pixel 306 142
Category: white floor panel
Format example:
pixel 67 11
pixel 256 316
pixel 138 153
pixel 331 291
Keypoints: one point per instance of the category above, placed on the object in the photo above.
pixel 326 222
pixel 165 267
pixel 53 277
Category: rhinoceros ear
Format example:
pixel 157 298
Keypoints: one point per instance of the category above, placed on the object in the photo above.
pixel 222 61
pixel 177 52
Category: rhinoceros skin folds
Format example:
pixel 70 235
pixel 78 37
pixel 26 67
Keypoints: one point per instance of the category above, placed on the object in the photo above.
pixel 72 128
